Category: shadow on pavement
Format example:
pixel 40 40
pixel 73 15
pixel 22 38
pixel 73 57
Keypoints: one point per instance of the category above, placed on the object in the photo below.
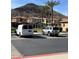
pixel 59 36
pixel 34 37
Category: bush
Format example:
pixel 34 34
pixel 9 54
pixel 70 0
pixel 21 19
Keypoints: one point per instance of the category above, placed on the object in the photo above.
pixel 37 29
pixel 13 30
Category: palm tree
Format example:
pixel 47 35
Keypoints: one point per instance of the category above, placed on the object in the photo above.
pixel 51 4
pixel 44 11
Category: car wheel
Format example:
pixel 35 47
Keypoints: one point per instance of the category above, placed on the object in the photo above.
pixel 56 34
pixel 48 34
pixel 43 33
pixel 16 34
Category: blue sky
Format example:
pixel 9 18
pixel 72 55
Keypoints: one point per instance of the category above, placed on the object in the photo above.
pixel 62 8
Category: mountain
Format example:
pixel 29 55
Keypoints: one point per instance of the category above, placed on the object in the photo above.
pixel 31 9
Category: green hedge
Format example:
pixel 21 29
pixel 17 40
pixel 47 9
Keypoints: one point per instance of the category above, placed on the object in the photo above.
pixel 13 30
pixel 37 29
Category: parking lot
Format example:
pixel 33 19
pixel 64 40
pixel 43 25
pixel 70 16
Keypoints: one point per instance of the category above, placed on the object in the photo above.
pixel 38 44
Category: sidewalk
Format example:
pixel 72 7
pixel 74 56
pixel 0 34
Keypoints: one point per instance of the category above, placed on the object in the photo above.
pixel 47 56
pixel 15 52
pixel 16 55
pixel 63 32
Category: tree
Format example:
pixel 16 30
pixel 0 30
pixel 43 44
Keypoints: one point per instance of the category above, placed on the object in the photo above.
pixel 58 21
pixel 44 11
pixel 51 4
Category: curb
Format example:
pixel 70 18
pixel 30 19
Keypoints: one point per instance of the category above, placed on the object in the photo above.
pixel 52 54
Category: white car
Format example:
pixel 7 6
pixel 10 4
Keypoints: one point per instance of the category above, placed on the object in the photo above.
pixel 24 30
pixel 50 30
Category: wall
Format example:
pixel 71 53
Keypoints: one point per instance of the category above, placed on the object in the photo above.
pixel 64 26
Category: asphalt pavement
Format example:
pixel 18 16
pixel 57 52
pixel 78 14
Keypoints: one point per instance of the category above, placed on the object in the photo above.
pixel 39 44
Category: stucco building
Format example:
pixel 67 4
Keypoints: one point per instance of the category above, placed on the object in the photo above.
pixel 64 24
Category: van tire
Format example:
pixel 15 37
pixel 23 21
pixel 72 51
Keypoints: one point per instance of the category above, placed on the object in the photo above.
pixel 19 34
pixel 16 34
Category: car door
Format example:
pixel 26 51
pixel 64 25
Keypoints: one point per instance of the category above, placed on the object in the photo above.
pixel 48 30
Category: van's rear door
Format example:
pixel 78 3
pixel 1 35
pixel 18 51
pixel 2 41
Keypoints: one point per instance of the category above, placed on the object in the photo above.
pixel 27 30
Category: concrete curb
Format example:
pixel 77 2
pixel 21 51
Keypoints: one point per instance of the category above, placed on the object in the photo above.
pixel 62 55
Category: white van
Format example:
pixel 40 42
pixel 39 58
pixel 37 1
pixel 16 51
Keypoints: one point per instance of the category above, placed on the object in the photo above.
pixel 24 30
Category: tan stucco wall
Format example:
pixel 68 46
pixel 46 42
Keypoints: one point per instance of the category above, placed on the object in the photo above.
pixel 64 27
pixel 44 20
pixel 13 20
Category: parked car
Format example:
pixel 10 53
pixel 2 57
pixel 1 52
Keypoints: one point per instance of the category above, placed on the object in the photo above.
pixel 50 30
pixel 24 30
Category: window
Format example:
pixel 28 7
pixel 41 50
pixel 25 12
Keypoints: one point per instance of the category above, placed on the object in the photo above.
pixel 25 27
pixel 47 28
pixel 30 27
pixel 63 24
pixel 20 19
pixel 55 28
pixel 67 29
pixel 42 20
pixel 50 27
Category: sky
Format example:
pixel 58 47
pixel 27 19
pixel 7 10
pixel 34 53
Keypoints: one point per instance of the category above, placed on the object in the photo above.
pixel 62 7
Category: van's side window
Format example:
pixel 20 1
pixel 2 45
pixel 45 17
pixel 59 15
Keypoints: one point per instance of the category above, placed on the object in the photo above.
pixel 47 28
